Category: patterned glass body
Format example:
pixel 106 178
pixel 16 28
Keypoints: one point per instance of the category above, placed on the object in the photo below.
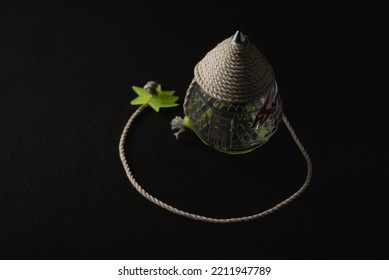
pixel 233 127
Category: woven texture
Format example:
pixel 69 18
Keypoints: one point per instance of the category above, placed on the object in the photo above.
pixel 235 72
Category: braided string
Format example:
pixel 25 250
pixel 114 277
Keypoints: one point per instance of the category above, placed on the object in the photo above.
pixel 235 73
pixel 189 215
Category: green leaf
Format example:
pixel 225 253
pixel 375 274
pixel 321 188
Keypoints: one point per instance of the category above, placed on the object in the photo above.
pixel 168 101
pixel 167 92
pixel 140 100
pixel 164 92
pixel 155 103
pixel 140 91
pixel 163 99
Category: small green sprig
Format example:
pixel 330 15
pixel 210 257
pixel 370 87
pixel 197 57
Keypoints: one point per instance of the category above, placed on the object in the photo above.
pixel 161 98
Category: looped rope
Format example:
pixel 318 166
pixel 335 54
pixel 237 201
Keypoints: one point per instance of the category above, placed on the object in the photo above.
pixel 189 215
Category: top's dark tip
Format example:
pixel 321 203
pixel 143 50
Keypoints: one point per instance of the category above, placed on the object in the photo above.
pixel 239 38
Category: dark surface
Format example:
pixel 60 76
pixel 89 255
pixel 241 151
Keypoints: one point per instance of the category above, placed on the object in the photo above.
pixel 65 77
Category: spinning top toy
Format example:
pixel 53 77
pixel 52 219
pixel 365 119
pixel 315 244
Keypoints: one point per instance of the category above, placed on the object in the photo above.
pixel 233 103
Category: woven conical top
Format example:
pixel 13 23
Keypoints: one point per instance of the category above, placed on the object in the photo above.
pixel 235 71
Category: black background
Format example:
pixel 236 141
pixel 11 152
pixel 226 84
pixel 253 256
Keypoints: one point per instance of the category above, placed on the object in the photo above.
pixel 65 77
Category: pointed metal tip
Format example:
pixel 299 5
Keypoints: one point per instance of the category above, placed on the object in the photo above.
pixel 239 38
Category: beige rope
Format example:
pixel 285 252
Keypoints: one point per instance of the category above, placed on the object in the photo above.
pixel 235 72
pixel 172 209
